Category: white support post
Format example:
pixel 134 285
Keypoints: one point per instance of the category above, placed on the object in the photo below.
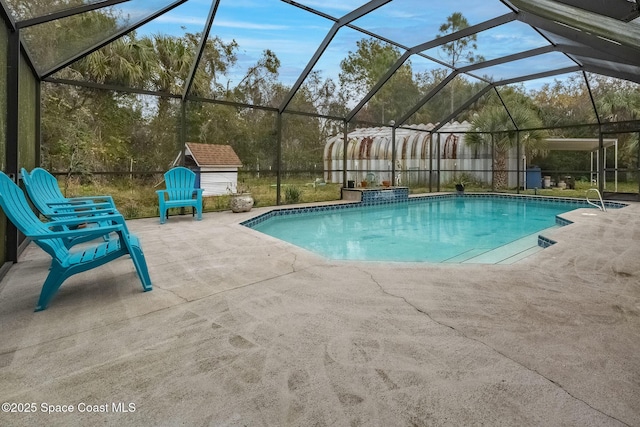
pixel 604 164
pixel 616 165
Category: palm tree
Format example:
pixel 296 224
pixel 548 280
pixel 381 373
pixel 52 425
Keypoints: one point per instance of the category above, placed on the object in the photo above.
pixel 494 120
pixel 126 62
pixel 618 100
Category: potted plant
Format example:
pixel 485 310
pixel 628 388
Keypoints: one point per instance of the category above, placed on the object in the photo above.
pixel 460 183
pixel 241 199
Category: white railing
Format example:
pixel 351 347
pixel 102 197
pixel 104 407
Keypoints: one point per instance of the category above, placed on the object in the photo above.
pixel 601 206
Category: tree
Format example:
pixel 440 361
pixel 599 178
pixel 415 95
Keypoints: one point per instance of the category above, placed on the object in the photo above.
pixel 456 50
pixel 157 63
pixel 565 102
pixel 619 100
pixel 493 122
pixel 439 107
pixel 460 48
pixel 55 41
pixel 362 69
pixel 616 100
pixel 255 86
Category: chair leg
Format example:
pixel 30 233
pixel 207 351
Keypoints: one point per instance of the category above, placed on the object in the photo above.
pixel 140 263
pixel 199 211
pixel 162 210
pixel 51 285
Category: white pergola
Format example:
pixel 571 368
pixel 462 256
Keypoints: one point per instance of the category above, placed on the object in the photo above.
pixel 593 146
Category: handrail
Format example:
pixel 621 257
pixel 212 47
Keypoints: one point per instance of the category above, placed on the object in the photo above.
pixel 601 206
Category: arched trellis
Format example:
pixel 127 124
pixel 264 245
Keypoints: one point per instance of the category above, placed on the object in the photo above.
pixel 372 150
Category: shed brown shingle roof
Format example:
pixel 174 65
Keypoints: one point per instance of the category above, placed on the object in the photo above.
pixel 213 154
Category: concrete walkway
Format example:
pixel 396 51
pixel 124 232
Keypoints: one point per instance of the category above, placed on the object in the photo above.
pixel 245 330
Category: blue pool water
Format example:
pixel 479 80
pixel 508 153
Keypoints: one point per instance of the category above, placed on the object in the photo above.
pixel 433 229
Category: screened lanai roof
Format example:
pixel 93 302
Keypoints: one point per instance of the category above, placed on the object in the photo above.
pixel 519 42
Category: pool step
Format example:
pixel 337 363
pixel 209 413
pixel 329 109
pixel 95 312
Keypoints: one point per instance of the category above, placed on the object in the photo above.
pixel 505 254
pixel 521 255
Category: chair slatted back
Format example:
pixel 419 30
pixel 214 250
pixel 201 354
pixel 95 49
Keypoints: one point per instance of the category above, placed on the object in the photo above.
pixel 17 209
pixel 47 183
pixel 42 187
pixel 180 183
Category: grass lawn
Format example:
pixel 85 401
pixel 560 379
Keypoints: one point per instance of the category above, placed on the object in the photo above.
pixel 137 199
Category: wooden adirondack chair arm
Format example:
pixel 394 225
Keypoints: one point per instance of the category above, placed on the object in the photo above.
pixel 95 231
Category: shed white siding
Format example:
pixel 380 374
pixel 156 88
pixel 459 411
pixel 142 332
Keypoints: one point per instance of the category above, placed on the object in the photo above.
pixel 217 181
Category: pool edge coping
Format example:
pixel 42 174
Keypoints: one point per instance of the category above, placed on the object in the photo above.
pixel 283 211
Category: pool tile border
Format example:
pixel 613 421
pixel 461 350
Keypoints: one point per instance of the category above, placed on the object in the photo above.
pixel 545 242
pixel 401 195
pixel 572 200
pixel 562 221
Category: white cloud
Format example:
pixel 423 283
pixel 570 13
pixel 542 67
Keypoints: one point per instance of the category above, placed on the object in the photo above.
pixel 341 5
pixel 249 25
pixel 194 20
pixel 181 20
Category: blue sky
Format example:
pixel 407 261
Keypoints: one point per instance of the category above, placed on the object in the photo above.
pixel 294 34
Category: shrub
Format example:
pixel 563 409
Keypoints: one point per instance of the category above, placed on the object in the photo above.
pixel 292 195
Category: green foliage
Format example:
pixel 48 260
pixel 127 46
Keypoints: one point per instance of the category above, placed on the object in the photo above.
pixel 465 179
pixel 362 69
pixel 255 86
pixel 462 48
pixel 491 122
pixel 564 103
pixel 494 118
pixel 117 131
pixel 565 160
pixel 292 194
pixel 27 121
pixel 51 43
pixel 136 197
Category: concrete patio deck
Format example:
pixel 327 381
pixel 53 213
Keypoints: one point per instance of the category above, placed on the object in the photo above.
pixel 242 329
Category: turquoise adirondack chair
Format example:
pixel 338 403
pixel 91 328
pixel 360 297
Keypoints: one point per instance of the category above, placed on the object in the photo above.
pixel 50 237
pixel 180 189
pixel 45 194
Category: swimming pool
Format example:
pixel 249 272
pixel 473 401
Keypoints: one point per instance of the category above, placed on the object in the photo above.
pixel 430 229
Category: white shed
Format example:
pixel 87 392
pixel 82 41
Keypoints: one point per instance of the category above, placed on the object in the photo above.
pixel 215 165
